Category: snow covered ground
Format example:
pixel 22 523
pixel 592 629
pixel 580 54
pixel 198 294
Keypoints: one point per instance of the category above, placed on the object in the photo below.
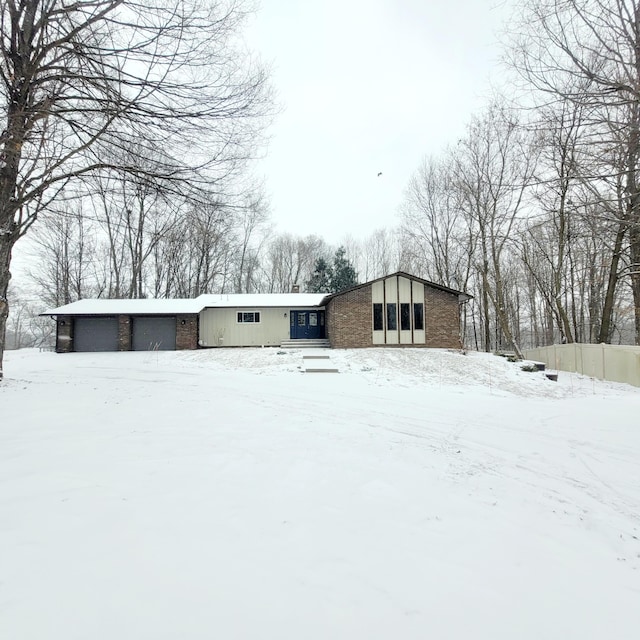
pixel 224 494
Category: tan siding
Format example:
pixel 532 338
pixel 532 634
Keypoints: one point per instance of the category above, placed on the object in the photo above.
pixel 220 328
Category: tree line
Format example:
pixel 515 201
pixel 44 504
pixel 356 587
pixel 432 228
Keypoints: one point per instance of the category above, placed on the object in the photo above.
pixel 535 211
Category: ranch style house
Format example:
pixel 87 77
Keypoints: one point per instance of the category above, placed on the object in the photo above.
pixel 395 310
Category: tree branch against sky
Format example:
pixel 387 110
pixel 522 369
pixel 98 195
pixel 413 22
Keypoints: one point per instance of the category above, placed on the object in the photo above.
pixel 159 90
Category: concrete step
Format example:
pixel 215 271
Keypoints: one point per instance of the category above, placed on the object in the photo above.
pixel 305 344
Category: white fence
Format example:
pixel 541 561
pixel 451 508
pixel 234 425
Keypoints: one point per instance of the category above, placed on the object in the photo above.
pixel 604 361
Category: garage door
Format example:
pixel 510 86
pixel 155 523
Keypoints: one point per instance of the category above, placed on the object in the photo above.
pixel 95 334
pixel 154 334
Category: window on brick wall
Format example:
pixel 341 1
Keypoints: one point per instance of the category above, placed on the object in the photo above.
pixel 392 316
pixel 405 316
pixel 248 317
pixel 418 316
pixel 377 317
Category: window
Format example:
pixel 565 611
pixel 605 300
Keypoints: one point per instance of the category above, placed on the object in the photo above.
pixel 418 316
pixel 313 319
pixel 405 316
pixel 248 317
pixel 302 320
pixel 377 317
pixel 392 318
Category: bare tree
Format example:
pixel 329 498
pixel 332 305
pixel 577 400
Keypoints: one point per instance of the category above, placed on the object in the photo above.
pixel 80 81
pixel 588 52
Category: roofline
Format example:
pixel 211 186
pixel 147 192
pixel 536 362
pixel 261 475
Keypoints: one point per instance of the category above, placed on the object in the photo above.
pixel 462 296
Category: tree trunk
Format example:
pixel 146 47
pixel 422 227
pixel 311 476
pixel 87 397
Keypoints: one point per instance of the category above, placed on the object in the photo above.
pixel 7 240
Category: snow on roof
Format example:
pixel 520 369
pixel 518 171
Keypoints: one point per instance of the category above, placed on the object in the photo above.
pixel 261 300
pixel 153 306
pixel 103 306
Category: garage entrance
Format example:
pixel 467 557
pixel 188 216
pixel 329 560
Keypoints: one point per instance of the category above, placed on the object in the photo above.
pixel 154 333
pixel 95 334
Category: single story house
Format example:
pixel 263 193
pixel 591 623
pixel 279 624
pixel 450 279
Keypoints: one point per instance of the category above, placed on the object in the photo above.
pixel 395 310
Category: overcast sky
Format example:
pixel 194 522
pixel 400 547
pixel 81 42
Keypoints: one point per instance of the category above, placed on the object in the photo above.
pixel 367 86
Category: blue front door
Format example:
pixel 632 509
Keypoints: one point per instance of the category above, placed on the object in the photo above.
pixel 306 324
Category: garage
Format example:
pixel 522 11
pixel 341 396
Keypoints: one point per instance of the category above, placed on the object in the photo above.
pixel 95 334
pixel 154 333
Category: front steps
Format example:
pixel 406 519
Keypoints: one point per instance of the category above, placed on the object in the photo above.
pixel 319 343
pixel 318 364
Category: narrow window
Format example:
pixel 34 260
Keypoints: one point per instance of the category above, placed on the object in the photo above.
pixel 239 316
pixel 302 319
pixel 377 317
pixel 405 316
pixel 256 316
pixel 418 316
pixel 392 318
pixel 313 319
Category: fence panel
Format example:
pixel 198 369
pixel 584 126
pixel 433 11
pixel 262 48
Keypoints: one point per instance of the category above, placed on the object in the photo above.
pixel 617 363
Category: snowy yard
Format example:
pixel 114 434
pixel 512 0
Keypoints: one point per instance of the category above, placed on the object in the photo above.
pixel 226 495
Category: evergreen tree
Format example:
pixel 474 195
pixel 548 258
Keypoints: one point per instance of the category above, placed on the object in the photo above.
pixel 321 279
pixel 343 275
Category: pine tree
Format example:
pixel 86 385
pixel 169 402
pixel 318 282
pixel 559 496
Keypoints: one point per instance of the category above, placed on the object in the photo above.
pixel 321 279
pixel 343 275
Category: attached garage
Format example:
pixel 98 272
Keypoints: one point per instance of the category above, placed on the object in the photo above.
pixel 127 325
pixel 154 333
pixel 95 333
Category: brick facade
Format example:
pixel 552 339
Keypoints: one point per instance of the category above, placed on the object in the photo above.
pixel 349 318
pixel 64 334
pixel 187 332
pixel 124 333
pixel 442 319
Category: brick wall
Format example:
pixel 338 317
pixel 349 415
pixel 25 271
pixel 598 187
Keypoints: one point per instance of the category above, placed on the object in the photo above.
pixel 349 318
pixel 187 332
pixel 442 319
pixel 124 333
pixel 64 334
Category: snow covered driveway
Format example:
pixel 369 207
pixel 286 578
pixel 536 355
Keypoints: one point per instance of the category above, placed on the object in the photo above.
pixel 224 494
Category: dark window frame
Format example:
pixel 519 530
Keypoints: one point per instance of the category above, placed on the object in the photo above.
pixel 248 317
pixel 392 316
pixel 378 316
pixel 418 316
pixel 405 316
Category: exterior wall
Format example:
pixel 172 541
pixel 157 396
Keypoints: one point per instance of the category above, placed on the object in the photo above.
pixel 219 327
pixel 442 319
pixel 64 334
pixel 349 319
pixel 350 316
pixel 124 333
pixel 186 332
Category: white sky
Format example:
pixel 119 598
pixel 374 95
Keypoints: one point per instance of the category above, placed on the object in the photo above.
pixel 367 86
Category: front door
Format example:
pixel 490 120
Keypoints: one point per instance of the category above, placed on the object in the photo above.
pixel 306 325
